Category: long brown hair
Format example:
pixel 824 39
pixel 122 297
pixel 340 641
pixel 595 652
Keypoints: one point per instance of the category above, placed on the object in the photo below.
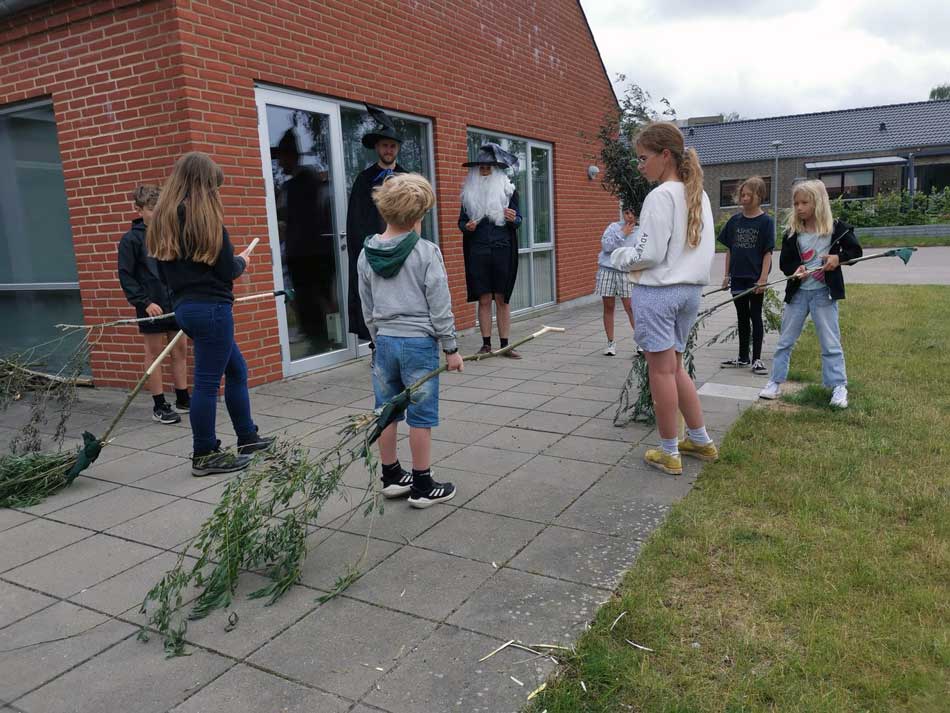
pixel 193 184
pixel 661 135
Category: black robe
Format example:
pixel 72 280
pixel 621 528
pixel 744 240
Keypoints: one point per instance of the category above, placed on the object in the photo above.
pixel 485 226
pixel 362 220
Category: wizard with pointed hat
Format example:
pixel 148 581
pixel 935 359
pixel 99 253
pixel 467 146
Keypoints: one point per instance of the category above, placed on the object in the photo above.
pixel 489 223
pixel 362 217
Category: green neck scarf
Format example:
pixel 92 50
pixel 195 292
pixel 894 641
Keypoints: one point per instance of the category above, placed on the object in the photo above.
pixel 387 262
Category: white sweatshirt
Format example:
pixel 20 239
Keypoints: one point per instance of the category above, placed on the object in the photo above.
pixel 661 256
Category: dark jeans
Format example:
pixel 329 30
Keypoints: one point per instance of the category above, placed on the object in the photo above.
pixel 749 311
pixel 210 325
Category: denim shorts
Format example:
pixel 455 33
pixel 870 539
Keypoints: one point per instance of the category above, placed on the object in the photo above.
pixel 397 363
pixel 664 316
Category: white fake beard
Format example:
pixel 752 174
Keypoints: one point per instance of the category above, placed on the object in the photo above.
pixel 487 196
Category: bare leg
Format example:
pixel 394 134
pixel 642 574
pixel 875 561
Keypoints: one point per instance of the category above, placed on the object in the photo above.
pixel 609 304
pixel 689 404
pixel 503 312
pixel 628 308
pixel 663 367
pixel 420 445
pixel 484 314
pixel 180 364
pixel 154 343
pixel 387 444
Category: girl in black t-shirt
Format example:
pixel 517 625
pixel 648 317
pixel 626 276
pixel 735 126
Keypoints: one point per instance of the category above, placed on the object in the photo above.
pixel 750 237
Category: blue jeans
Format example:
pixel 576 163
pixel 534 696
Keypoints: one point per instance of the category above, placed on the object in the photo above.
pixel 824 313
pixel 210 325
pixel 401 361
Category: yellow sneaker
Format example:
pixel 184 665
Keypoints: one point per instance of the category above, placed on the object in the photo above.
pixel 661 460
pixel 690 448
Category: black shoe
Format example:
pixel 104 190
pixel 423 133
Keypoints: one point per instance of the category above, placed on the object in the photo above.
pixel 218 461
pixel 182 406
pixel 486 349
pixel 247 446
pixel 397 486
pixel 164 414
pixel 734 363
pixel 423 497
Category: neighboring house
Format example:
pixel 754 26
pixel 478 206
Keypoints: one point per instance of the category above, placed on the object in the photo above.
pixel 97 96
pixel 858 153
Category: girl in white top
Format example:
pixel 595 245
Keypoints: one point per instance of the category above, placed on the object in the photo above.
pixel 670 263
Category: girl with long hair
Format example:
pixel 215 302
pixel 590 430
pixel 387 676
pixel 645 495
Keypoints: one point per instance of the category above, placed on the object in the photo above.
pixel 813 247
pixel 669 264
pixel 197 261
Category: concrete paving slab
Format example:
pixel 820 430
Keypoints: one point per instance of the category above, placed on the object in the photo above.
pixel 81 489
pixel 572 406
pixel 11 518
pixel 399 523
pixel 243 689
pixel 420 582
pixel 486 413
pixel 17 602
pixel 344 646
pixel 126 590
pixel 631 433
pixel 135 466
pixel 549 421
pixel 80 565
pixel 563 472
pixel 595 511
pixel 464 432
pixel 520 439
pixel 148 682
pixel 444 674
pixel 492 461
pixel 479 536
pixel 591 450
pixel 35 539
pixel 111 508
pixel 167 526
pixel 333 553
pixel 731 391
pixel 529 608
pixel 506 497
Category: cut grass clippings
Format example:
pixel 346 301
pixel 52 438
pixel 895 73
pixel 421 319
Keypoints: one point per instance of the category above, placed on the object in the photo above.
pixel 809 569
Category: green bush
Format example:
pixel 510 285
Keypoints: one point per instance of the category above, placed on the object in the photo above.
pixel 895 208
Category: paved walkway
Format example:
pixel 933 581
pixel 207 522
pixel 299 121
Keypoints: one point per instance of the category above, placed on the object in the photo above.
pixel 554 503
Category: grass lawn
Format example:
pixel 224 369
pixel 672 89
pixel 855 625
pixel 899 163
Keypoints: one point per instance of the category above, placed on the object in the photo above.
pixel 809 569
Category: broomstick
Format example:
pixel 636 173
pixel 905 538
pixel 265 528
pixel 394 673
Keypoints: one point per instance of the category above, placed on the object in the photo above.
pixel 28 479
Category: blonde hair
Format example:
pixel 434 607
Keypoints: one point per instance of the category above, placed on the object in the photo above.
pixel 756 185
pixel 404 198
pixel 189 219
pixel 145 196
pixel 817 193
pixel 661 135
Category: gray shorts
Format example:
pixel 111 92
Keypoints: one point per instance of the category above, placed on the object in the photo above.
pixel 664 316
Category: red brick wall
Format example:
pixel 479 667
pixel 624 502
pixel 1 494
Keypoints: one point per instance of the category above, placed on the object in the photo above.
pixel 136 86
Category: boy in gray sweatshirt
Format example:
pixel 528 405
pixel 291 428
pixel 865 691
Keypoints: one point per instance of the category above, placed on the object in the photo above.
pixel 408 311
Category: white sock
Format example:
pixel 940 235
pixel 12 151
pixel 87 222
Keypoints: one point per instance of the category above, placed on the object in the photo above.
pixel 670 445
pixel 698 436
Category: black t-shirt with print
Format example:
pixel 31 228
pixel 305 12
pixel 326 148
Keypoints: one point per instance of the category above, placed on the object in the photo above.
pixel 749 240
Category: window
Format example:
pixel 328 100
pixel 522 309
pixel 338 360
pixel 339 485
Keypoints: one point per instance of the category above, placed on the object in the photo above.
pixel 849 184
pixel 414 151
pixel 533 179
pixel 39 284
pixel 729 191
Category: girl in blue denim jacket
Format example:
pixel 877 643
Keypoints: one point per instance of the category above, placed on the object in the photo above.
pixel 814 246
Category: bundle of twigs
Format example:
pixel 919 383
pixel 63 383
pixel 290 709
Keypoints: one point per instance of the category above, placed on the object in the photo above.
pixel 265 516
pixel 638 378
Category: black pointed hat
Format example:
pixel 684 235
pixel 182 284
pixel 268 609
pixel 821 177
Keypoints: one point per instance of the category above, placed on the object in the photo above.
pixel 385 130
pixel 492 154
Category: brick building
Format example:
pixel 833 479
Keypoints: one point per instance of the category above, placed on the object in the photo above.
pixel 858 153
pixel 97 96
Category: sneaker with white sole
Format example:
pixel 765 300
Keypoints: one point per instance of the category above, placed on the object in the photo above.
pixel 734 363
pixel 164 414
pixel 611 349
pixel 839 397
pixel 398 486
pixel 771 391
pixel 217 462
pixel 423 495
pixel 758 367
pixel 661 460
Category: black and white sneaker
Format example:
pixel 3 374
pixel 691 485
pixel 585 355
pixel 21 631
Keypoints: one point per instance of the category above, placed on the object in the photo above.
pixel 759 368
pixel 399 486
pixel 734 363
pixel 249 446
pixel 434 493
pixel 182 406
pixel 164 414
pixel 218 461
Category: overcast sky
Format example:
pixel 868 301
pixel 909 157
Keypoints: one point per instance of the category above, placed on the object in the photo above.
pixel 771 58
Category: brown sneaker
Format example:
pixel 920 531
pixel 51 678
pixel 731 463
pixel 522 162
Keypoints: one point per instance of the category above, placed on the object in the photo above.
pixel 512 354
pixel 484 350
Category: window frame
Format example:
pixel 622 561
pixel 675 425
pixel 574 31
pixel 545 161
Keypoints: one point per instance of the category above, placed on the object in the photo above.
pixel 765 204
pixel 843 173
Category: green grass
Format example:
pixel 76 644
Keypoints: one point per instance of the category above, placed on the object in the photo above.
pixel 925 242
pixel 809 569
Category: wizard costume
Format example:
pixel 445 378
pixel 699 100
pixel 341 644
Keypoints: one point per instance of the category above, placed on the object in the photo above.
pixel 491 250
pixel 362 217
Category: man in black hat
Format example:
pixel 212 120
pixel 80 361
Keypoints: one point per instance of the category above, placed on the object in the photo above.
pixel 489 223
pixel 362 217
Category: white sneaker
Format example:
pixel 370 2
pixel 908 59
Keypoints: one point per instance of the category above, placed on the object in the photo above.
pixel 611 349
pixel 771 391
pixel 839 397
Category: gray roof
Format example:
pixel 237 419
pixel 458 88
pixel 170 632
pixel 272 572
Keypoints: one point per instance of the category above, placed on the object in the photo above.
pixel 849 131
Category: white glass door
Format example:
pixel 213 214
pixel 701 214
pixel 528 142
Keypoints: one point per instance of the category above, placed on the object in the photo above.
pixel 303 172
